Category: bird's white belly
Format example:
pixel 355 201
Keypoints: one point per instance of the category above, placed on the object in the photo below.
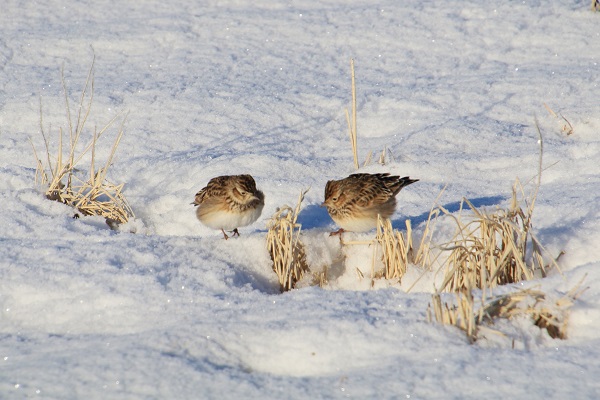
pixel 357 224
pixel 228 220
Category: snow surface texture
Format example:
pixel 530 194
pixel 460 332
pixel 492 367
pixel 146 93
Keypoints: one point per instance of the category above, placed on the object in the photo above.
pixel 227 87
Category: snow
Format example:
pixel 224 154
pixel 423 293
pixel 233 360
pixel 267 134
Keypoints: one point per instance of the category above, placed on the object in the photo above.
pixel 226 87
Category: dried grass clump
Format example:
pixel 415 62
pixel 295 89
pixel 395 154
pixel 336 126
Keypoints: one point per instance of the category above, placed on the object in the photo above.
pixel 545 311
pixel 491 248
pixel 496 248
pixel 398 249
pixel 284 245
pixel 460 314
pixel 93 195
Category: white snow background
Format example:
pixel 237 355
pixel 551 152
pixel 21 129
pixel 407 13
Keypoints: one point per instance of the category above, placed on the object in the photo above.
pixel 173 311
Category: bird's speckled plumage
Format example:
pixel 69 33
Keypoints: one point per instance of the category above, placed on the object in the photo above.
pixel 229 202
pixel 354 202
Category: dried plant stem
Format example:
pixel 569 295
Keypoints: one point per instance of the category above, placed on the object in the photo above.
pixel 93 196
pixel 545 311
pixel 397 248
pixel 284 245
pixel 491 248
pixel 565 125
pixel 352 125
pixel 461 314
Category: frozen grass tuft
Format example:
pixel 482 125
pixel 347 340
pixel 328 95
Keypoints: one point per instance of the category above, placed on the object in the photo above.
pixel 61 180
pixel 284 245
pixel 498 248
pixel 398 249
pixel 459 314
pixel 545 311
pixel 548 312
pixel 491 248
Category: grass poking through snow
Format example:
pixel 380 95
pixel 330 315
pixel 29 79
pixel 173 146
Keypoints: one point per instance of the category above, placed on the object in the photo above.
pixel 284 245
pixel 91 195
pixel 549 312
pixel 491 248
pixel 352 125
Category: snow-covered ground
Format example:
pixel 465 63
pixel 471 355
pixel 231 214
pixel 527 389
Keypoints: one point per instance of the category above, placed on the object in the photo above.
pixel 450 88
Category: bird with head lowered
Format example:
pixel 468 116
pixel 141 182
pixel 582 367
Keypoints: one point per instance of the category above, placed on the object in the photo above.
pixel 354 202
pixel 229 202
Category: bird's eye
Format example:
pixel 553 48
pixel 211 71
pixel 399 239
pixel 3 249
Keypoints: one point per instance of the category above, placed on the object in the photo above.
pixel 334 198
pixel 243 192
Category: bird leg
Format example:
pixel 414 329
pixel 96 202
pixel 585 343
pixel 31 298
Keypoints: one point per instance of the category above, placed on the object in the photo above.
pixel 338 232
pixel 233 233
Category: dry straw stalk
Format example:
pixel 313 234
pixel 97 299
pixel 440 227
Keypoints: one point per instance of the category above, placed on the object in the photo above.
pixel 565 125
pixel 545 311
pixel 490 248
pixel 461 314
pixel 93 195
pixel 284 245
pixel 352 125
pixel 351 120
pixel 397 248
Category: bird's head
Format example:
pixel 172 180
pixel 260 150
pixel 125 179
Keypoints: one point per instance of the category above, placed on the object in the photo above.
pixel 244 190
pixel 334 195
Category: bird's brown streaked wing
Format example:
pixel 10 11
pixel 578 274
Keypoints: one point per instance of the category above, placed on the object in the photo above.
pixel 371 190
pixel 399 183
pixel 215 187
